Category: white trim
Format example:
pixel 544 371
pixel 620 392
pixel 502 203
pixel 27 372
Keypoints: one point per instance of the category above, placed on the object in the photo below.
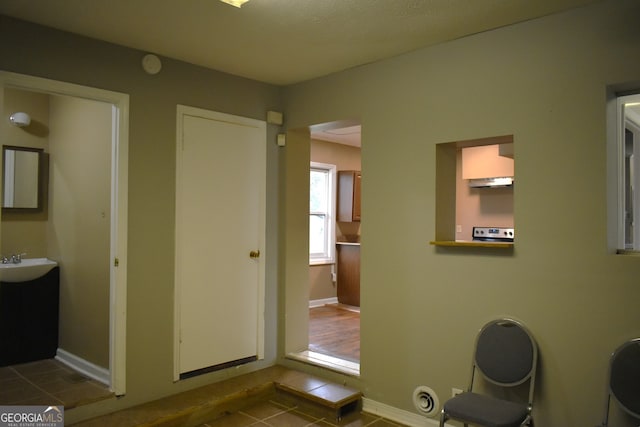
pixel 620 125
pixel 320 302
pixel 332 201
pixel 635 185
pixel 398 415
pixel 620 174
pixel 85 367
pixel 119 209
pixel 119 238
pixel 326 361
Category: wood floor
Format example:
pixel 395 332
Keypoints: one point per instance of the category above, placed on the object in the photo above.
pixel 334 330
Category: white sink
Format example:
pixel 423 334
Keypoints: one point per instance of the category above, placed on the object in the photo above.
pixel 28 269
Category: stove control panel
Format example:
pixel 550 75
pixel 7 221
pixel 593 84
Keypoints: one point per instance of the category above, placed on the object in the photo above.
pixel 493 233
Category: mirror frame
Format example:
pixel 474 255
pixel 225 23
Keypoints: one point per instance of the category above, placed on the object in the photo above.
pixel 41 178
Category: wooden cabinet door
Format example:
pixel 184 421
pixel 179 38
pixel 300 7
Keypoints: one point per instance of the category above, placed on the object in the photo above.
pixel 348 287
pixel 349 185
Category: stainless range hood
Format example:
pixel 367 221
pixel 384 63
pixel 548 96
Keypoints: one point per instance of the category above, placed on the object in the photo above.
pixel 504 181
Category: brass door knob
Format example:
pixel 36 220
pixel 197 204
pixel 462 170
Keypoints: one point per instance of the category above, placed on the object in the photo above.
pixel 254 254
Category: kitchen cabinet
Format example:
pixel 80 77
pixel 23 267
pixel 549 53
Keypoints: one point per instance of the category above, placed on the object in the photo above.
pixel 349 185
pixel 348 286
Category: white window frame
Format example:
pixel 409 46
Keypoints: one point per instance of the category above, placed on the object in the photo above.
pixel 617 123
pixel 330 226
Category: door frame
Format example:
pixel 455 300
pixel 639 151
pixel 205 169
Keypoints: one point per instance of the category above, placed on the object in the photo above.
pixel 119 196
pixel 181 111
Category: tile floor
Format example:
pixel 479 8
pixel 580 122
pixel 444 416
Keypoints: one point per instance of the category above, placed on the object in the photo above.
pixel 281 412
pixel 268 397
pixel 48 382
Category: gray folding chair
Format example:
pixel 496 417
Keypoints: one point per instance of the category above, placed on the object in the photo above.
pixel 624 379
pixel 506 355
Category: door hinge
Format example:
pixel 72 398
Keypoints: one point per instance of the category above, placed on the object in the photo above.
pixel 116 262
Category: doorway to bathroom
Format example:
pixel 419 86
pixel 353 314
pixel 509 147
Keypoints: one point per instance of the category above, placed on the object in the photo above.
pixel 83 223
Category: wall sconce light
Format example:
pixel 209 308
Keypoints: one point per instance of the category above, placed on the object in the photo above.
pixel 20 119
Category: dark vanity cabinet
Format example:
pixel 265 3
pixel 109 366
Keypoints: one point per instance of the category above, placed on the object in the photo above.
pixel 29 319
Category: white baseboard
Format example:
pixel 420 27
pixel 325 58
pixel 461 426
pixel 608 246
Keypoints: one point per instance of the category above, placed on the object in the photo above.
pixel 399 415
pixel 76 363
pixel 321 302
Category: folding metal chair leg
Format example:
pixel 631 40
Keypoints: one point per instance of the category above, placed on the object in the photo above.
pixel 605 421
pixel 443 418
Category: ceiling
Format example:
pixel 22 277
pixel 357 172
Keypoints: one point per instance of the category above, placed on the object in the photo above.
pixel 280 41
pixel 347 135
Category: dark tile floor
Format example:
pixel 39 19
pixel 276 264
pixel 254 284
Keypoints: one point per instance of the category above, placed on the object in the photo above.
pixel 48 382
pixel 282 413
pixel 254 399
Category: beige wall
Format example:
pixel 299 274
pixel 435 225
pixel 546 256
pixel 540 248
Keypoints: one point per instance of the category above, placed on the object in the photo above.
pixel 25 232
pixel 152 115
pixel 79 222
pixel 321 285
pixel 294 237
pixel 545 82
pixel 345 157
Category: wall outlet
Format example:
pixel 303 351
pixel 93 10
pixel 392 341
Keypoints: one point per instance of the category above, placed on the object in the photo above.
pixel 455 391
pixel 458 229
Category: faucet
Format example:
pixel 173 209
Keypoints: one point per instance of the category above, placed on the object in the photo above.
pixel 14 259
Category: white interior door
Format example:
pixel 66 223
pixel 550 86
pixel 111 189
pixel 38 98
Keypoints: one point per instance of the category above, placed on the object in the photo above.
pixel 220 228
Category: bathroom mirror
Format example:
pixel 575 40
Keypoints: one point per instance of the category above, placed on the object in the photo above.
pixel 21 177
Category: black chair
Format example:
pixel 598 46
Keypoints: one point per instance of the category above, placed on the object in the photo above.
pixel 624 379
pixel 506 355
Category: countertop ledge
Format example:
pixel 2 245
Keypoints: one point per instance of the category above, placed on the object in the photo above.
pixel 471 244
